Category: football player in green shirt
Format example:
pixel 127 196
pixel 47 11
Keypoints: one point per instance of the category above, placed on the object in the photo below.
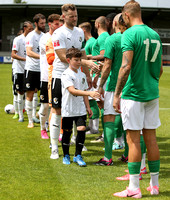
pixel 139 79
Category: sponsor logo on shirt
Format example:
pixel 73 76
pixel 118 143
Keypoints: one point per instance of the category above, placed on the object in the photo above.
pixel 56 43
pixel 17 87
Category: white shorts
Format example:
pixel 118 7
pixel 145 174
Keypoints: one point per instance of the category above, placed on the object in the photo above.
pixel 108 104
pixel 138 115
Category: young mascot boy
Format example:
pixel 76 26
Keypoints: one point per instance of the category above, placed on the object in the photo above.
pixel 74 105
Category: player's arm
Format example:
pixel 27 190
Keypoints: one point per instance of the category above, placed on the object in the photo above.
pixel 99 57
pixel 61 53
pixel 122 78
pixel 75 92
pixel 86 102
pixel 15 56
pixel 31 53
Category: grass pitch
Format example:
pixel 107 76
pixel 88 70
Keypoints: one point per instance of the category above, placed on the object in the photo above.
pixel 28 173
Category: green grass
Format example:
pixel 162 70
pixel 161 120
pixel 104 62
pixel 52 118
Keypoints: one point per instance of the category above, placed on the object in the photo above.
pixel 28 173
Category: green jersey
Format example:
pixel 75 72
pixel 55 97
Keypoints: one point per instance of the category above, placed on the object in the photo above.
pixel 89 45
pixel 113 51
pixel 99 44
pixel 143 80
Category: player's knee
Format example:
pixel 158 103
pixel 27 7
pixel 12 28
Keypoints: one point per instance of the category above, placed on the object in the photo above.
pixel 81 128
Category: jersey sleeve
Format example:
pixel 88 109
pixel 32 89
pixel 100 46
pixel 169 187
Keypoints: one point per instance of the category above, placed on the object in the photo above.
pixel 127 42
pixel 29 41
pixel 66 80
pixel 58 40
pixel 15 45
pixel 109 48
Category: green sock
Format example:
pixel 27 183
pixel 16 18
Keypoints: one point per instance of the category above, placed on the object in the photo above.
pixel 95 109
pixel 108 138
pixel 134 167
pixel 118 126
pixel 142 144
pixel 154 166
pixel 102 117
pixel 126 145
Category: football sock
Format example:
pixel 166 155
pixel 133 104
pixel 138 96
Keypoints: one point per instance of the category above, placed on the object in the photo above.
pixel 118 129
pixel 95 109
pixel 154 167
pixel 55 130
pixel 15 102
pixel 134 171
pixel 20 106
pixel 108 138
pixel 95 125
pixel 66 141
pixel 43 113
pixel 35 103
pixel 79 142
pixel 28 105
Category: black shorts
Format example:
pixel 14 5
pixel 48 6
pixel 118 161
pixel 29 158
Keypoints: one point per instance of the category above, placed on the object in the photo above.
pixel 44 92
pixel 56 92
pixel 32 80
pixel 67 122
pixel 19 82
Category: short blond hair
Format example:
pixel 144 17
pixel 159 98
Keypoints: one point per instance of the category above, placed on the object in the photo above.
pixel 86 26
pixel 132 7
pixel 67 7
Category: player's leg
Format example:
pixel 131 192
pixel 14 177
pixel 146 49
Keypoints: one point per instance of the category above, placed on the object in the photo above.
pixel 80 139
pixel 56 116
pixel 15 97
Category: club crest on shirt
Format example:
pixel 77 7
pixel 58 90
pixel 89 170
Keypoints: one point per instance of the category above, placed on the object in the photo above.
pixel 17 86
pixel 83 80
pixel 80 39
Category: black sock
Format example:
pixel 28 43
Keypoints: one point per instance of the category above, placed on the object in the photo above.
pixel 79 142
pixel 66 141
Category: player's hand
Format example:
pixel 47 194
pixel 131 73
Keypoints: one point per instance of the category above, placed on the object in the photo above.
pixel 101 91
pixel 94 83
pixel 90 112
pixel 116 104
pixel 93 66
pixel 95 95
pixel 89 82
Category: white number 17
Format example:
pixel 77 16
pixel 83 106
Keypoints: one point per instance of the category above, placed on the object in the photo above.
pixel 147 49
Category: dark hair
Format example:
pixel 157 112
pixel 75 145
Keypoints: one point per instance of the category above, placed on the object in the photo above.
pixel 37 17
pixel 67 7
pixel 53 17
pixel 73 52
pixel 25 24
pixel 110 16
pixel 86 25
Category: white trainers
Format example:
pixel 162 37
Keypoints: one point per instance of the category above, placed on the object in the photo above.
pixel 54 154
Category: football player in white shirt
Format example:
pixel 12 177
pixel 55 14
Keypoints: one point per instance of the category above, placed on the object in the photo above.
pixel 19 56
pixel 74 105
pixel 32 67
pixel 53 23
pixel 63 38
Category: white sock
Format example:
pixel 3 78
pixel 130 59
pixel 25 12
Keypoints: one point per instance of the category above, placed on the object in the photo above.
pixel 134 182
pixel 90 123
pixel 43 113
pixel 55 130
pixel 96 124
pixel 143 161
pixel 154 179
pixel 28 106
pixel 15 103
pixel 106 159
pixel 74 129
pixel 20 106
pixel 35 103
